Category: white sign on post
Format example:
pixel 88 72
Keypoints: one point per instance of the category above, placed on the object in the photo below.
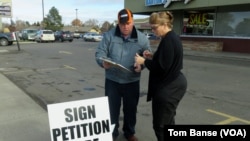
pixel 83 120
pixel 5 8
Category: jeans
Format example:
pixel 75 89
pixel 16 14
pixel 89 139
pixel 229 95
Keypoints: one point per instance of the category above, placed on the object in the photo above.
pixel 128 95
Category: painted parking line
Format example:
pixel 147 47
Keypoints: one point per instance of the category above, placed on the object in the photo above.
pixel 5 71
pixel 69 67
pixel 3 51
pixel 65 52
pixel 230 119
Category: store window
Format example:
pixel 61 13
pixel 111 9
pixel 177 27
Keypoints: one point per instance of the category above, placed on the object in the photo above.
pixel 236 24
pixel 198 23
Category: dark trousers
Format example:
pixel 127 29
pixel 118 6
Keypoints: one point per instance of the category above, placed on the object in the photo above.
pixel 164 105
pixel 128 95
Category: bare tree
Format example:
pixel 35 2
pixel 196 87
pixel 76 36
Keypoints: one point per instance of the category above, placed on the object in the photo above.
pixel 91 22
pixel 76 22
pixel 105 26
pixel 20 25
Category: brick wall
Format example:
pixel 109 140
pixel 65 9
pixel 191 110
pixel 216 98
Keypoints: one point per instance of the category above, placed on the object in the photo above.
pixel 210 46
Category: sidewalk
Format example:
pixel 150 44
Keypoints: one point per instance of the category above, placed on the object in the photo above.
pixel 22 119
pixel 218 55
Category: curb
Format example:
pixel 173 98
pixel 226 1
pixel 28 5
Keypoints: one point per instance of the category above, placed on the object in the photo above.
pixel 223 58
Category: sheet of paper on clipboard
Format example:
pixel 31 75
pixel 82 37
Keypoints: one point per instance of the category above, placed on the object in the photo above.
pixel 114 64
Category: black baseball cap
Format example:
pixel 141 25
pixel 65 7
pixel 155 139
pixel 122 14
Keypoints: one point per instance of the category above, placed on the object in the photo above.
pixel 125 16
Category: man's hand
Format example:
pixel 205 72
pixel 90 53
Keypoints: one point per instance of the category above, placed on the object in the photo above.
pixel 106 65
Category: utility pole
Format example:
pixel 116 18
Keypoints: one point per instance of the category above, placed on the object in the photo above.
pixel 43 14
pixel 43 9
pixel 76 19
pixel 76 13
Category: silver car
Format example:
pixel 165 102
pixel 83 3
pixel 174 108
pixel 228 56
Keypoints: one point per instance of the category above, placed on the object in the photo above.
pixel 94 37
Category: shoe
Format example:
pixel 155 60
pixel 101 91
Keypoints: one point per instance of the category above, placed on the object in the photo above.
pixel 132 138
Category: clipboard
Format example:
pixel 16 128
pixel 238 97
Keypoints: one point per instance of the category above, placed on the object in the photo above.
pixel 114 64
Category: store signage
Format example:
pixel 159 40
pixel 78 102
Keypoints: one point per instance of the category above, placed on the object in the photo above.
pixel 198 19
pixel 5 8
pixel 154 2
pixel 168 2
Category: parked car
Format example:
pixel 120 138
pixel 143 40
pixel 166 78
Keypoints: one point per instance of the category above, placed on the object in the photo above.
pixel 62 36
pixel 45 36
pixel 84 34
pixel 76 35
pixel 154 37
pixel 95 37
pixel 149 34
pixel 28 34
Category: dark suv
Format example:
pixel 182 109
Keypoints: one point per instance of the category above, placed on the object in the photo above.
pixel 62 36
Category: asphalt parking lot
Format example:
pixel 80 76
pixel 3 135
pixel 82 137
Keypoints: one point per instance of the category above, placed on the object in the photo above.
pixel 23 74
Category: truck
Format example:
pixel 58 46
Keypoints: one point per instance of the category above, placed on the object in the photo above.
pixel 7 39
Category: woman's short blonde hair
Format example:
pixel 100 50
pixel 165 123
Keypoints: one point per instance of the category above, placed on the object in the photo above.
pixel 162 18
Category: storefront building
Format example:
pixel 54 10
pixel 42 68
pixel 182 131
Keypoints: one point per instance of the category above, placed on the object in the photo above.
pixel 226 22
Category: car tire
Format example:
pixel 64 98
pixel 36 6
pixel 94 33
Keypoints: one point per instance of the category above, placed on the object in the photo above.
pixel 3 42
pixel 60 40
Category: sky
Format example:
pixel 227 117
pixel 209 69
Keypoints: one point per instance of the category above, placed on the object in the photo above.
pixel 100 10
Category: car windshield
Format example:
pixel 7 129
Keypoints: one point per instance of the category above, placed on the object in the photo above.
pixel 66 32
pixel 31 31
pixel 47 32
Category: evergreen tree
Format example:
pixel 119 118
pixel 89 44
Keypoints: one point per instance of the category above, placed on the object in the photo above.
pixel 53 21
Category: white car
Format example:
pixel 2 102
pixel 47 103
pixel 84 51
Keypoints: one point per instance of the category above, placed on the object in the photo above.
pixel 45 36
pixel 95 37
pixel 148 35
pixel 76 35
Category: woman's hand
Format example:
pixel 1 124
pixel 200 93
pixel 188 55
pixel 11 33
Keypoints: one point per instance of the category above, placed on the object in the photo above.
pixel 147 54
pixel 139 60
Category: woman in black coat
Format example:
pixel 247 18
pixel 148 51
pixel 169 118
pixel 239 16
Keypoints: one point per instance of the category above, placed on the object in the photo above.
pixel 167 84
